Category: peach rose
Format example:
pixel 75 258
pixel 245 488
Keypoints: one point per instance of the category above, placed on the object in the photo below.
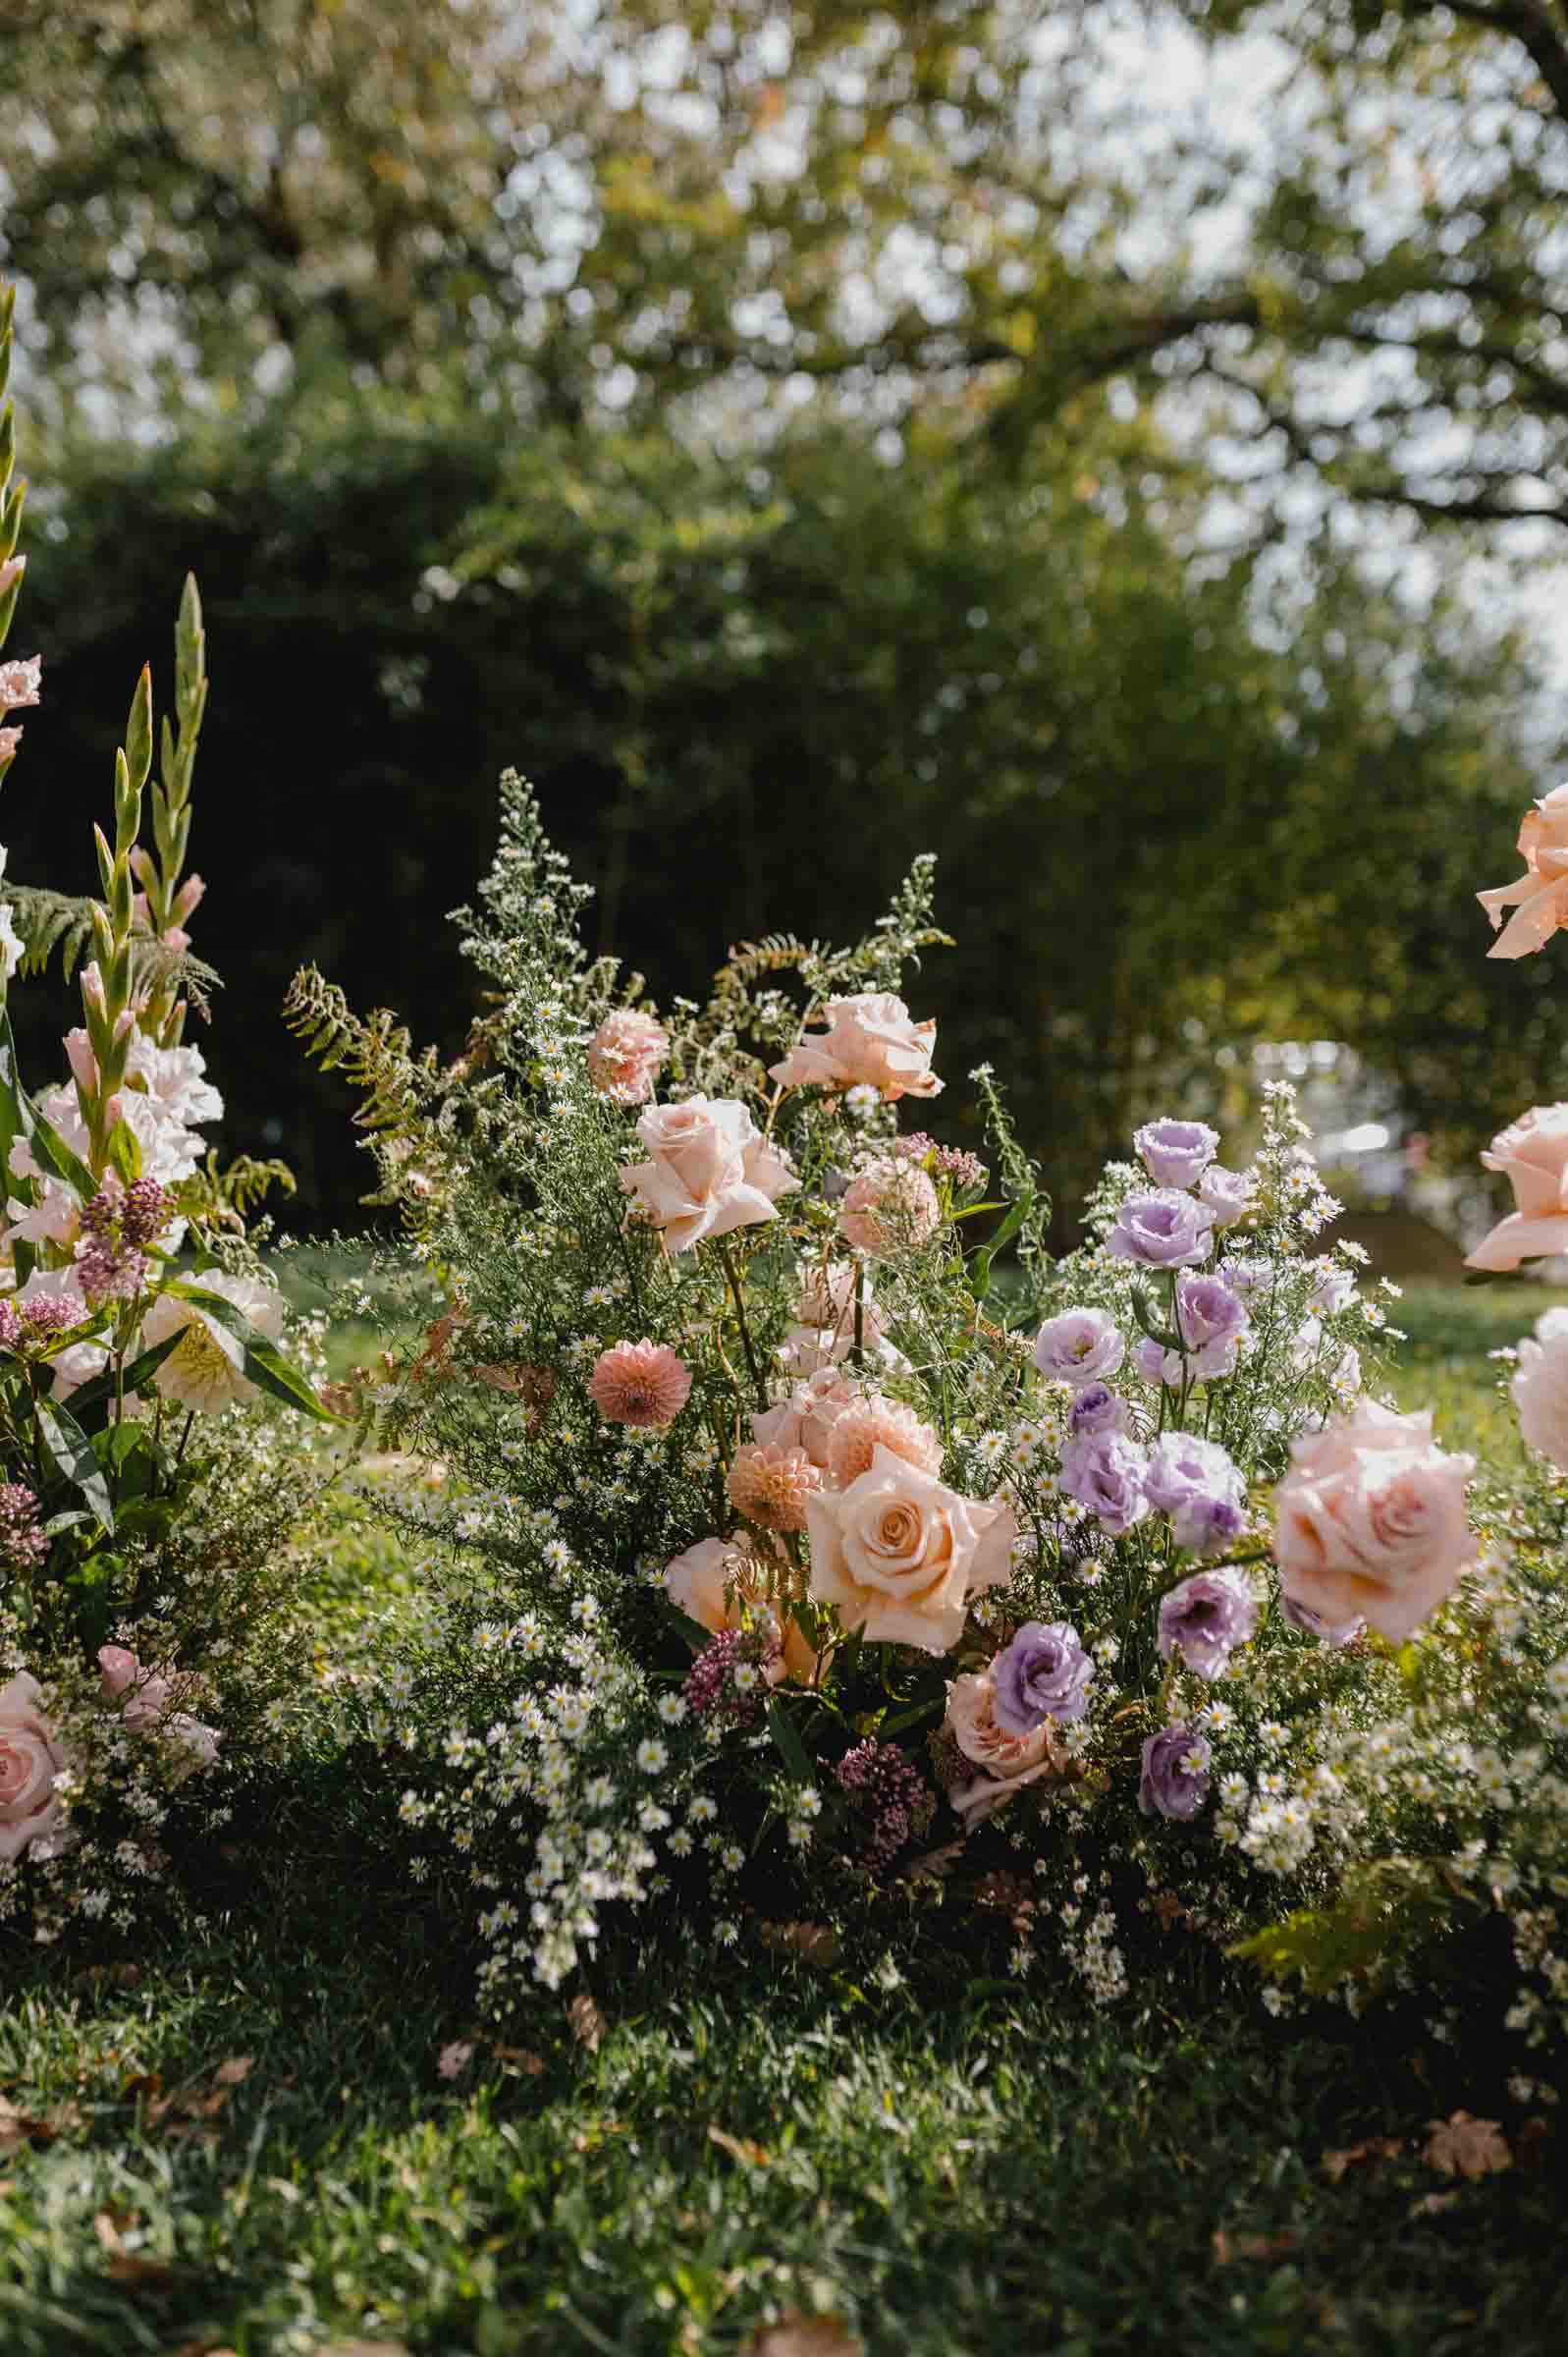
pixel 900 1555
pixel 805 1420
pixel 1370 1520
pixel 1542 889
pixel 1009 1761
pixel 717 1584
pixel 1540 1387
pixel 711 1170
pixel 31 1758
pixel 151 1706
pixel 870 1043
pixel 890 1207
pixel 1534 1153
pixel 624 1056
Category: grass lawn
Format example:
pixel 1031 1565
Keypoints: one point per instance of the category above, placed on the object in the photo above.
pixel 247 2144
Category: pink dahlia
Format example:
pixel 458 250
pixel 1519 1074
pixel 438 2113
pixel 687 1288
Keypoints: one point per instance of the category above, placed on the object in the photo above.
pixel 874 1423
pixel 640 1383
pixel 770 1485
pixel 624 1056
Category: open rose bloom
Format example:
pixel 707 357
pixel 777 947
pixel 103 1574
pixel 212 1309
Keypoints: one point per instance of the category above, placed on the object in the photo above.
pixel 1370 1520
pixel 1533 1155
pixel 709 1171
pixel 870 1043
pixel 31 1758
pixel 900 1555
pixel 1539 897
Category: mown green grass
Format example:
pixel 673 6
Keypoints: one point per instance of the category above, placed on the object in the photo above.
pixel 947 2166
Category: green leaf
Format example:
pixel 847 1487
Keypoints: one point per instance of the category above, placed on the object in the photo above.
pixel 125 1152
pixel 71 1452
pixel 787 1738
pixel 1143 1310
pixel 980 1269
pixel 139 1371
pixel 261 1362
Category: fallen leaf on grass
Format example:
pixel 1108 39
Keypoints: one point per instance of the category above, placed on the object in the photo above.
pixel 588 2024
pixel 26 2127
pixel 532 2065
pixel 813 1942
pixel 1462 2145
pixel 739 2147
pixel 1373 2147
pixel 237 2067
pixel 797 2336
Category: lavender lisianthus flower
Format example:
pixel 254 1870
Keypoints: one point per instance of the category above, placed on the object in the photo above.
pixel 1156 1364
pixel 1176 1153
pixel 1174 1781
pixel 1328 1632
pixel 1167 1230
pixel 1078 1347
pixel 1227 1194
pixel 1043 1673
pixel 1211 1320
pixel 1104 1471
pixel 1206 1619
pixel 1195 1483
pixel 1096 1410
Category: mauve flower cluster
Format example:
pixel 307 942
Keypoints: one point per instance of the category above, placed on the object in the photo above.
pixel 966 1171
pixel 1206 1619
pixel 22 1543
pixel 728 1680
pixel 891 1794
pixel 1174 1777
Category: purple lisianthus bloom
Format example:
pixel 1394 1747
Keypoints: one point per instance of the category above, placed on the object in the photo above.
pixel 1211 1320
pixel 1167 1230
pixel 1156 1364
pixel 1176 1153
pixel 1104 1471
pixel 1328 1632
pixel 1096 1410
pixel 1078 1347
pixel 1043 1673
pixel 1197 1485
pixel 1206 1619
pixel 1174 1781
pixel 1227 1194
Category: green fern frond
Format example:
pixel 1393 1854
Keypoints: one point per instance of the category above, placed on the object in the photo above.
pixel 47 921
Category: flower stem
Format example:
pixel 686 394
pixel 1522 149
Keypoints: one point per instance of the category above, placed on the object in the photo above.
pixel 738 1299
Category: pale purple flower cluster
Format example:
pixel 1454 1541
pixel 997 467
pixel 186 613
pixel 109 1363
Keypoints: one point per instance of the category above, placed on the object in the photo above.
pixel 12 1329
pixel 1104 1471
pixel 1195 1483
pixel 1167 1230
pixel 52 1313
pixel 1096 1410
pixel 892 1794
pixel 1156 1364
pixel 1174 1781
pixel 22 1543
pixel 1176 1153
pixel 965 1169
pixel 1212 1320
pixel 729 1679
pixel 1227 1194
pixel 1044 1673
pixel 1206 1619
pixel 1078 1347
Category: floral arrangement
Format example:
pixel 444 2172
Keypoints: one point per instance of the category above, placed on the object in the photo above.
pixel 798 1564
pixel 148 1464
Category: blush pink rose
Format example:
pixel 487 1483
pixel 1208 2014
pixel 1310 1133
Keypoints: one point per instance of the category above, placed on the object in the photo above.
pixel 1540 1387
pixel 890 1207
pixel 1370 1520
pixel 624 1056
pixel 900 1554
pixel 710 1170
pixel 870 1043
pixel 1532 1154
pixel 31 1758
pixel 806 1419
pixel 1008 1762
pixel 1542 892
pixel 151 1700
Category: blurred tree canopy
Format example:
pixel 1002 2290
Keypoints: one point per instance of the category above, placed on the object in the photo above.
pixel 798 439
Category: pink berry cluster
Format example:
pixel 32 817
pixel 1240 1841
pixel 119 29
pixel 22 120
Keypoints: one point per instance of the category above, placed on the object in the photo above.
pixel 892 1799
pixel 119 1221
pixel 729 1679
pixel 965 1169
pixel 22 1543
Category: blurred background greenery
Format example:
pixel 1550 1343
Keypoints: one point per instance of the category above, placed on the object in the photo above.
pixel 1123 448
